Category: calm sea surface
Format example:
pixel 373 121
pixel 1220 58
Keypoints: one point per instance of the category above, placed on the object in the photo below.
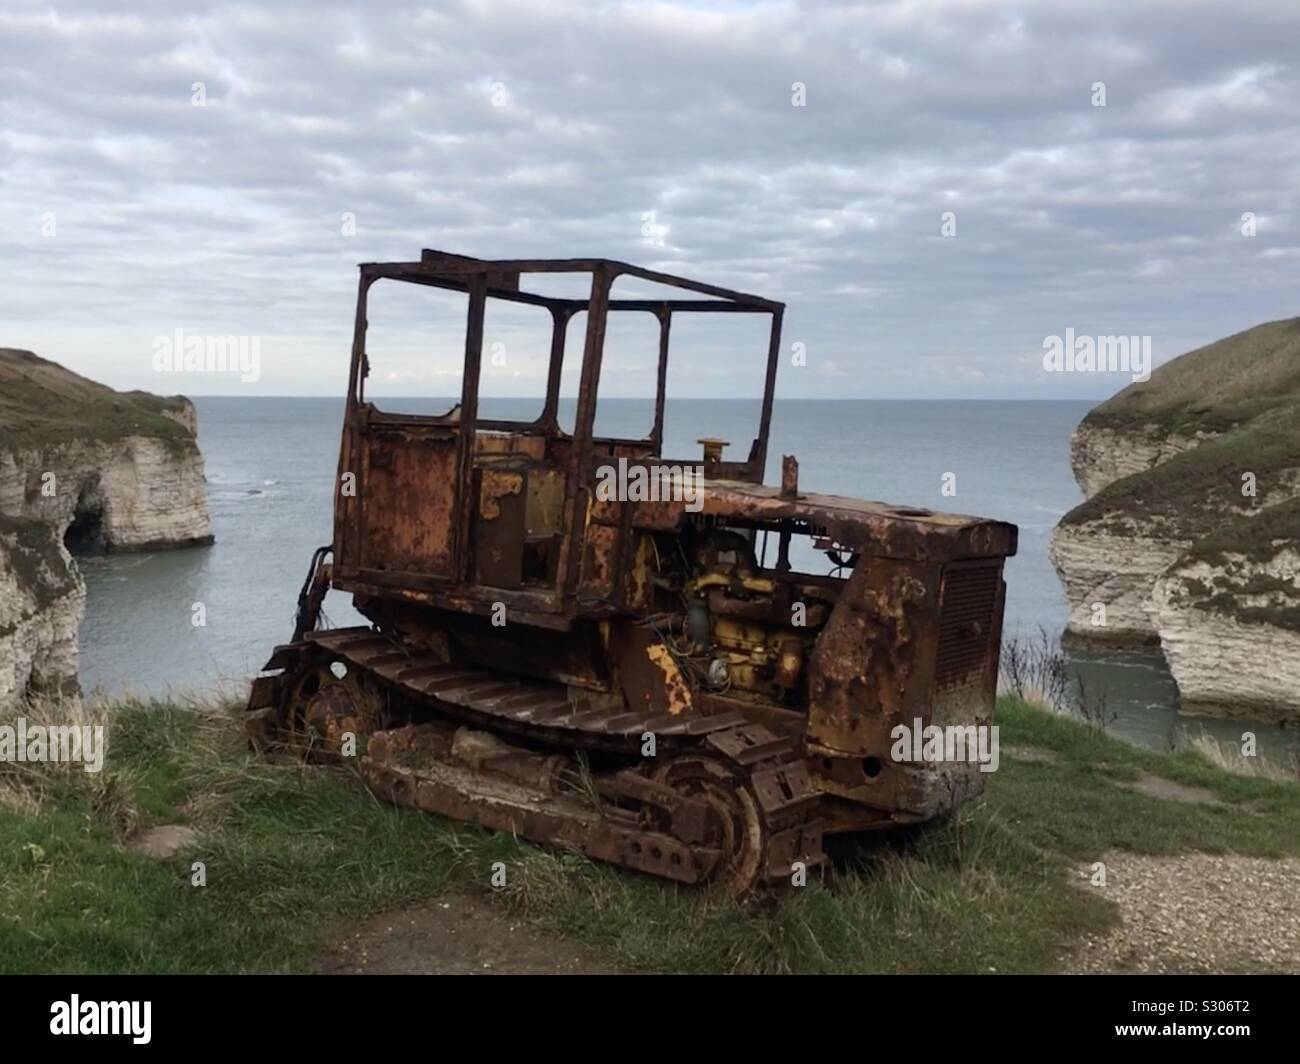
pixel 270 470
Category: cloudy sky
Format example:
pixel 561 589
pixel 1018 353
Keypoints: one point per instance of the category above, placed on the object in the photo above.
pixel 221 168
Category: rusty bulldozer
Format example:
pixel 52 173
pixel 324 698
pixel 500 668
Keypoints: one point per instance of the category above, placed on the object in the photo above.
pixel 645 677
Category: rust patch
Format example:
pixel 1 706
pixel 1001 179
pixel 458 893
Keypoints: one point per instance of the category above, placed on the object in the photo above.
pixel 495 486
pixel 407 502
pixel 598 558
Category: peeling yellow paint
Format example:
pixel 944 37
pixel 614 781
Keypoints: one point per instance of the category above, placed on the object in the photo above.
pixel 676 689
pixel 637 587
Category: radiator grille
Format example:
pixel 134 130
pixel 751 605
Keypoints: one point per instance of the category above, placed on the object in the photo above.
pixel 967 620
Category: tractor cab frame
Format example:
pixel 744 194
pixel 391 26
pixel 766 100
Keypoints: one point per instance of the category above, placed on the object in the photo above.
pixel 464 512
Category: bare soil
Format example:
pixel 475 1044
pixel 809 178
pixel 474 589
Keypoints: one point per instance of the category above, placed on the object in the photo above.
pixel 455 935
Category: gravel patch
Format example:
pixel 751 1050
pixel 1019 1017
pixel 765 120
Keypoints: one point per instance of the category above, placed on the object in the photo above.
pixel 1195 913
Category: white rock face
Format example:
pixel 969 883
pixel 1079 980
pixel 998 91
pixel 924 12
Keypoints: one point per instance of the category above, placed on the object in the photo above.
pixel 1223 663
pixel 1132 583
pixel 1108 580
pixel 1099 455
pixel 1192 522
pixel 186 415
pixel 42 599
pixel 145 494
pixel 133 493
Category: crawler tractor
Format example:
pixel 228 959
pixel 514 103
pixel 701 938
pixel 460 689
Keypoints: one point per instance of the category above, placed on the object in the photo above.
pixel 646 677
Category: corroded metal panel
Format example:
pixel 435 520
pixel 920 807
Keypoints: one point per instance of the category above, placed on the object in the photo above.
pixel 408 502
pixel 499 527
pixel 872 664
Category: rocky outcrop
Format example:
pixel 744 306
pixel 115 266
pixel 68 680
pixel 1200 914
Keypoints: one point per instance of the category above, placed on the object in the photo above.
pixel 128 494
pixel 1108 571
pixel 1101 454
pixel 42 599
pixel 87 468
pixel 1224 628
pixel 1191 527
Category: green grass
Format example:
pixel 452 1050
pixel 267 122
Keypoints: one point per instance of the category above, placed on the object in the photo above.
pixel 43 404
pixel 1216 387
pixel 295 856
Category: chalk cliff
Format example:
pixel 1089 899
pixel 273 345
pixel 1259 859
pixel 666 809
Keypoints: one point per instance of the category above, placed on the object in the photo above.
pixel 1190 531
pixel 82 468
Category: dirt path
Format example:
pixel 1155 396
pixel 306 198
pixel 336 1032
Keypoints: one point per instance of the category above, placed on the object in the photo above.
pixel 455 935
pixel 1196 913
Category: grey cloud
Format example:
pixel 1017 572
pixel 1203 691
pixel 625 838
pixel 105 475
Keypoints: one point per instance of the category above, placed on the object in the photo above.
pixel 227 218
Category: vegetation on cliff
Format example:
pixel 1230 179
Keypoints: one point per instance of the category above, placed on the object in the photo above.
pixel 1200 490
pixel 29 548
pixel 1215 388
pixel 1239 582
pixel 42 403
pixel 1231 494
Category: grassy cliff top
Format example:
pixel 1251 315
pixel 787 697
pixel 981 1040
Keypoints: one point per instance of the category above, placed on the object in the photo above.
pixel 1257 538
pixel 1244 391
pixel 1195 492
pixel 1215 387
pixel 42 403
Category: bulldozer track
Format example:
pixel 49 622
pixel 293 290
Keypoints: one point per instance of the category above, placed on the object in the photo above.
pixel 761 763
